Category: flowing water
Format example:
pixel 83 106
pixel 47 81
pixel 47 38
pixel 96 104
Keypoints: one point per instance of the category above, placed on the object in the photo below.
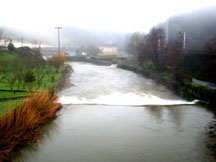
pixel 114 115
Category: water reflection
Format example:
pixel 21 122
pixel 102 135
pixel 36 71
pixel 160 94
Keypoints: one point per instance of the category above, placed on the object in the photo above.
pixel 156 112
pixel 50 129
pixel 176 115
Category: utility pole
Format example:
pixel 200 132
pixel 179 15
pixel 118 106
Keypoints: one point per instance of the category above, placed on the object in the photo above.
pixel 21 46
pixel 21 42
pixel 184 41
pixel 167 32
pixel 58 28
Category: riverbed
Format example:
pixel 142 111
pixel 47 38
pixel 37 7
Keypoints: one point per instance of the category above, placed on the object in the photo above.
pixel 114 115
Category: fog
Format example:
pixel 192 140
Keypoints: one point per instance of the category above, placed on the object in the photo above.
pixel 119 16
pixel 84 22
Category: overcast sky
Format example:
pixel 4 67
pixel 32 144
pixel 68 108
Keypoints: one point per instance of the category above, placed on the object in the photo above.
pixel 106 15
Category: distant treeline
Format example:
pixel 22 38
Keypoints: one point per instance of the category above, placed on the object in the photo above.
pixel 199 26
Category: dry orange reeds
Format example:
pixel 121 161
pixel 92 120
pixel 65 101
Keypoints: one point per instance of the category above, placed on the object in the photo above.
pixel 23 126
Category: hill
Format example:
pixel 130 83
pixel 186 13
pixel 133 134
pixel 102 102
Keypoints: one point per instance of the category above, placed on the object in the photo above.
pixel 199 26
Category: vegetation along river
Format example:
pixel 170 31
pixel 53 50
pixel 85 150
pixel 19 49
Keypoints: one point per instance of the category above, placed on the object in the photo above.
pixel 114 115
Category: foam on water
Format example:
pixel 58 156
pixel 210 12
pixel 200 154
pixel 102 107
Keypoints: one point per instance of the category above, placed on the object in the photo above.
pixel 129 99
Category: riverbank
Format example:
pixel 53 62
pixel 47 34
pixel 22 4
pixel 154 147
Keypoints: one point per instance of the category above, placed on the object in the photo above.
pixel 64 80
pixel 181 86
pixel 25 124
pixel 92 60
pixel 186 89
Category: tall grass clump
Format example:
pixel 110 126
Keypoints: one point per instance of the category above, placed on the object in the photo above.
pixel 24 125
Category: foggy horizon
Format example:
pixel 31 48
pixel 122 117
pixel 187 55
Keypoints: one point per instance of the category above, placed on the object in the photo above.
pixel 101 16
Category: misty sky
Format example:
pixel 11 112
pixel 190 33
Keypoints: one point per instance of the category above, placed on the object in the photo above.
pixel 106 15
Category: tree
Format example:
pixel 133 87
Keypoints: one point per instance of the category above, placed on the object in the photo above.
pixel 152 47
pixel 175 51
pixel 11 47
pixel 211 46
pixel 156 40
pixel 1 34
pixel 36 47
pixel 40 73
pixel 12 72
pixel 80 50
pixel 143 50
pixel 29 78
pixel 134 44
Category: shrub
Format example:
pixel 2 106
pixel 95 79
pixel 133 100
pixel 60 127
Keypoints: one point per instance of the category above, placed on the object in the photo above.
pixel 11 47
pixel 24 125
pixel 57 60
pixel 29 77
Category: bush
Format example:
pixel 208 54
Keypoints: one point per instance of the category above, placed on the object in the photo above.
pixel 57 60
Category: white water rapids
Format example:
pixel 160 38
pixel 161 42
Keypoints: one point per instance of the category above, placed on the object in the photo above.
pixel 128 99
pixel 103 86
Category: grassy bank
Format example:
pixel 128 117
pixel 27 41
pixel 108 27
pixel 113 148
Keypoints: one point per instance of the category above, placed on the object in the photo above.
pixel 28 84
pixel 15 82
pixel 180 84
pixel 25 125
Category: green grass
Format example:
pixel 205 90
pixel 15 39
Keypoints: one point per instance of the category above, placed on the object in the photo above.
pixel 49 79
pixel 199 86
pixel 7 55
pixel 107 55
pixel 123 53
pixel 11 94
pixel 9 105
pixel 196 85
pixel 113 55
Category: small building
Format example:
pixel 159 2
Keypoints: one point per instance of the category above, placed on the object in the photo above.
pixel 108 48
pixel 84 53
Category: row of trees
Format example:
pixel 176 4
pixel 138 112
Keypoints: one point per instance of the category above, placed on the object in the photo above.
pixel 161 53
pixel 153 47
pixel 25 70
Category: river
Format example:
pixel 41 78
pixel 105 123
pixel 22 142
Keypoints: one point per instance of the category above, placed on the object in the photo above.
pixel 114 115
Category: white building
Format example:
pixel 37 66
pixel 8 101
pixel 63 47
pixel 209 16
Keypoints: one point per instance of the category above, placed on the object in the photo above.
pixel 108 48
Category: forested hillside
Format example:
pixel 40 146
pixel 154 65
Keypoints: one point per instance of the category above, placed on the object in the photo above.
pixel 199 25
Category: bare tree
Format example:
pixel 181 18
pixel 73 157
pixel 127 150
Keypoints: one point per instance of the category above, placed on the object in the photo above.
pixel 1 39
pixel 134 44
pixel 1 34
pixel 152 47
pixel 175 51
pixel 156 40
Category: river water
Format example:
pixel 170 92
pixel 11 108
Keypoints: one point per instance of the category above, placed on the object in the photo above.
pixel 114 115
